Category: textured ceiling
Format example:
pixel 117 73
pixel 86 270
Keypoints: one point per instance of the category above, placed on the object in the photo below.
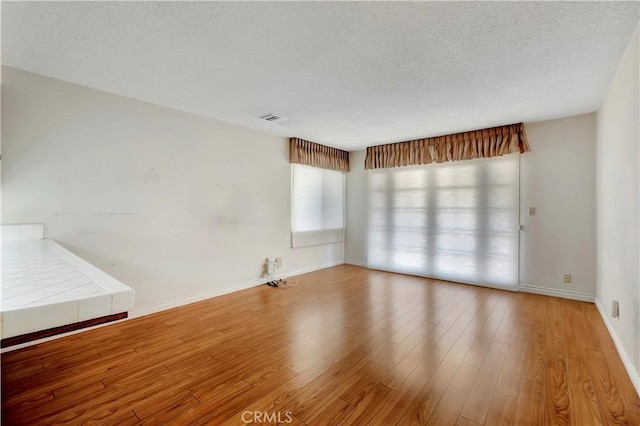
pixel 348 74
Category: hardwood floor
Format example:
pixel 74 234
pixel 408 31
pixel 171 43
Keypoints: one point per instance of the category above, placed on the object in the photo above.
pixel 346 346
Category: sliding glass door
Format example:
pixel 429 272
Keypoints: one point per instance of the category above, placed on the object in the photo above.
pixel 453 221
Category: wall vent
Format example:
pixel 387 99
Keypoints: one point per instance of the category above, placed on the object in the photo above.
pixel 272 118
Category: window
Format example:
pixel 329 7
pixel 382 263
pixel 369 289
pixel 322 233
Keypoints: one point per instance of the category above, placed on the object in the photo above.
pixel 317 206
pixel 454 221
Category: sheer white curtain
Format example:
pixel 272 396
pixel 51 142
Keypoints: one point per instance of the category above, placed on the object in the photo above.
pixel 317 206
pixel 454 221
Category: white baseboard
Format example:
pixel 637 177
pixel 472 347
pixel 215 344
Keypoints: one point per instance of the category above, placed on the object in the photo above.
pixel 152 309
pixel 565 294
pixel 355 262
pixel 313 268
pixel 626 360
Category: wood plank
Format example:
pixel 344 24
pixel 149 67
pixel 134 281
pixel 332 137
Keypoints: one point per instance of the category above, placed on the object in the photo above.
pixel 449 406
pixel 359 390
pixel 399 373
pixel 619 377
pixel 368 407
pixel 80 386
pixel 463 421
pixel 347 345
pixel 531 404
pixel 485 336
pixel 165 413
pixel 397 403
pixel 633 418
pixel 534 363
pixel 293 397
pixel 510 379
pixel 107 403
pixel 208 407
pixel 502 410
pixel 333 414
pixel 476 406
pixel 585 410
pixel 608 396
pixel 227 409
pixel 554 339
pixel 428 397
pixel 508 323
pixel 437 354
pixel 126 419
pixel 557 397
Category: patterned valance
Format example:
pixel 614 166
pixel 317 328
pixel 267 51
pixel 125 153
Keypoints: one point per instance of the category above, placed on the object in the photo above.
pixel 317 155
pixel 485 143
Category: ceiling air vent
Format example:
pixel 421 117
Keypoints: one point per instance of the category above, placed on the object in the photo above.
pixel 272 118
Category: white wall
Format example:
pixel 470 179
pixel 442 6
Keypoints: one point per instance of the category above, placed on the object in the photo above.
pixel 618 208
pixel 355 247
pixel 558 178
pixel 172 204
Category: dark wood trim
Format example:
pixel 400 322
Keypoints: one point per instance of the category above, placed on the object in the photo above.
pixel 24 338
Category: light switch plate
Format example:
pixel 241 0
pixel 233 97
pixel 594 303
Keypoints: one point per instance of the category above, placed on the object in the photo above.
pixel 532 211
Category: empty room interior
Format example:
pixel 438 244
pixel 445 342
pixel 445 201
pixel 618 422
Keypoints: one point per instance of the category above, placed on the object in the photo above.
pixel 320 213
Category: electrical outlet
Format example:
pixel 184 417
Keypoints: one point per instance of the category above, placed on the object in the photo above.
pixel 270 268
pixel 532 211
pixel 615 309
pixel 567 278
pixel 279 262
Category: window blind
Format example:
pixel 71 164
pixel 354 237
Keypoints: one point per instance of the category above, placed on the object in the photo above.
pixel 453 221
pixel 317 215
